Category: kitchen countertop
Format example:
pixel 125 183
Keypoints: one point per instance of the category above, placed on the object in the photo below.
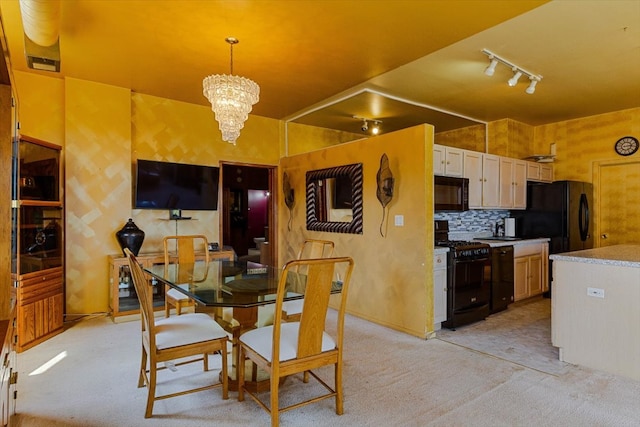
pixel 620 255
pixel 440 250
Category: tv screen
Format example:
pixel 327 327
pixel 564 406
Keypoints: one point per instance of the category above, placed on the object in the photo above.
pixel 165 185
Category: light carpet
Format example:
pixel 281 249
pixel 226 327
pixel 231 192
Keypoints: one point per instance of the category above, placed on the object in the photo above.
pixel 390 379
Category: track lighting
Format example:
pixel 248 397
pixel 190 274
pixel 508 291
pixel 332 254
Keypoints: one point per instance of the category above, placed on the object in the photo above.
pixel 375 128
pixel 514 80
pixel 517 71
pixel 492 67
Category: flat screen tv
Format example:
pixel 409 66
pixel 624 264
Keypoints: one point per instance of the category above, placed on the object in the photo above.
pixel 165 185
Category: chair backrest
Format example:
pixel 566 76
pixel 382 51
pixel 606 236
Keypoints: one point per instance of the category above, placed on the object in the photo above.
pixel 321 275
pixel 145 296
pixel 314 248
pixel 185 247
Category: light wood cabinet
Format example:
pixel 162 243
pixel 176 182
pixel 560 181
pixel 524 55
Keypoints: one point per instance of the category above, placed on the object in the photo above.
pixel 539 172
pixel 473 172
pixel 122 296
pixel 439 289
pixel 490 181
pixel 530 270
pixel 447 161
pixel 513 183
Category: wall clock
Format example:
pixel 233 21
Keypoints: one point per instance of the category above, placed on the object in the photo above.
pixel 626 145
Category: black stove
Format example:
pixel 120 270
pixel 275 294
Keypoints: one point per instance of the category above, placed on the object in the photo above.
pixel 468 278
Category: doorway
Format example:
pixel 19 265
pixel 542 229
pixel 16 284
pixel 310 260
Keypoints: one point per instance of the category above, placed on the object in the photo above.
pixel 618 198
pixel 248 216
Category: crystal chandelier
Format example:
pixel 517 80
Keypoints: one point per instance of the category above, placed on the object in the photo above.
pixel 232 98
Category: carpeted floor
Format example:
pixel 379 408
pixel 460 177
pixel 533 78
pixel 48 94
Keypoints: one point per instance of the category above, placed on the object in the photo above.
pixel 390 379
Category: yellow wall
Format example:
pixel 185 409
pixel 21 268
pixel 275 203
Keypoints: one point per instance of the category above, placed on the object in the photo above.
pixel 469 138
pixel 393 281
pixel 103 129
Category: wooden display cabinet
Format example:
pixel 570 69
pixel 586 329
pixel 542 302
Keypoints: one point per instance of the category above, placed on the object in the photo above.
pixel 123 298
pixel 38 263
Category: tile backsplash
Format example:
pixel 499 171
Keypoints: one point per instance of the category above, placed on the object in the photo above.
pixel 472 221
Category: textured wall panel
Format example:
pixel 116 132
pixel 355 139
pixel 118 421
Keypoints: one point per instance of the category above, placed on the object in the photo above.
pixel 98 188
pixel 393 280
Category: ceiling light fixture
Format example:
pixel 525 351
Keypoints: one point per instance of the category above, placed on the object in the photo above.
pixel 232 98
pixel 375 128
pixel 516 76
pixel 492 67
pixel 532 86
pixel 517 71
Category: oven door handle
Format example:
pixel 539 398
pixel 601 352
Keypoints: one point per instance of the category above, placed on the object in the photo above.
pixel 469 261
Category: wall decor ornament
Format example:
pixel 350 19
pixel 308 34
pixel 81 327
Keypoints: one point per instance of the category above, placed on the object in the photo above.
pixel 289 199
pixel 384 192
pixel 130 237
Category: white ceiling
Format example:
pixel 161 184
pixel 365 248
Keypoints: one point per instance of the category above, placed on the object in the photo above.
pixel 321 62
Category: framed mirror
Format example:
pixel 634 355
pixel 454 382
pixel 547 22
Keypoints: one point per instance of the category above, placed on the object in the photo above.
pixel 334 199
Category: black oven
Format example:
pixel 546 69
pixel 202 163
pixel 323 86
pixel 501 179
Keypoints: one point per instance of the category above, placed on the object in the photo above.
pixel 450 193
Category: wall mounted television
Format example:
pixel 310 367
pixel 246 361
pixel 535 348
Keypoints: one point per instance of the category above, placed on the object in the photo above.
pixel 166 185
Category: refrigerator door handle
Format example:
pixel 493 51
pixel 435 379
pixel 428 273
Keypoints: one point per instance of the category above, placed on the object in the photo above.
pixel 583 217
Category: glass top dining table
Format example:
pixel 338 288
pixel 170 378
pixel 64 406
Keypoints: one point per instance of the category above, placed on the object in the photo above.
pixel 224 283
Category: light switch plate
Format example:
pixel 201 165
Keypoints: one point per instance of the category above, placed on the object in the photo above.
pixel 399 220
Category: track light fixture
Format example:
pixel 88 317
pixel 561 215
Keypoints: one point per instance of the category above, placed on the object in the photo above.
pixel 375 128
pixel 532 86
pixel 492 67
pixel 517 71
pixel 516 76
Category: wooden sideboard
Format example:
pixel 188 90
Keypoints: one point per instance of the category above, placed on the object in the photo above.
pixel 122 297
pixel 8 370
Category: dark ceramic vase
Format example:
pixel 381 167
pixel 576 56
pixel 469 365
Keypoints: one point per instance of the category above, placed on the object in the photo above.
pixel 131 237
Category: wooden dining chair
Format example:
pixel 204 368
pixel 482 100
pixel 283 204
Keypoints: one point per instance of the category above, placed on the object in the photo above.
pixel 176 337
pixel 311 248
pixel 185 251
pixel 288 348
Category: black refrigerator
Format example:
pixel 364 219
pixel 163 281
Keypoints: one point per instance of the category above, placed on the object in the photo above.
pixel 560 211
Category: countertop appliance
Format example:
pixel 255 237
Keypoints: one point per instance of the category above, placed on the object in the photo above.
pixel 450 193
pixel 560 211
pixel 501 278
pixel 468 278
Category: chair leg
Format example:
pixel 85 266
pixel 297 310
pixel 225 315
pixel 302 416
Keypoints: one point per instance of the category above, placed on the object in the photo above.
pixel 305 377
pixel 275 409
pixel 152 390
pixel 240 373
pixel 338 385
pixel 167 308
pixel 205 361
pixel 178 308
pixel 225 372
pixel 143 367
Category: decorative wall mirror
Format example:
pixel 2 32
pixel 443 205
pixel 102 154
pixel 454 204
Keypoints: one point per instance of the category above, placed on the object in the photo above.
pixel 334 199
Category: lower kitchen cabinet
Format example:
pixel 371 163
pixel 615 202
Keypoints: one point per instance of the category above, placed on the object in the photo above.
pixel 40 302
pixel 439 289
pixel 530 270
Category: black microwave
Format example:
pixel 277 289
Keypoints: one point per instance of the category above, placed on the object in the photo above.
pixel 450 193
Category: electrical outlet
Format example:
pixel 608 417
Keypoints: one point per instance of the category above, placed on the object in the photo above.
pixel 399 220
pixel 595 292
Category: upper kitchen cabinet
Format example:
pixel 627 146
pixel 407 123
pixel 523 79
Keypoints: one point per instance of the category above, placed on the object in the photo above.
pixel 38 242
pixel 539 172
pixel 513 183
pixel 447 161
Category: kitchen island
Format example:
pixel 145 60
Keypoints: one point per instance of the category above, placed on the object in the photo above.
pixel 595 308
